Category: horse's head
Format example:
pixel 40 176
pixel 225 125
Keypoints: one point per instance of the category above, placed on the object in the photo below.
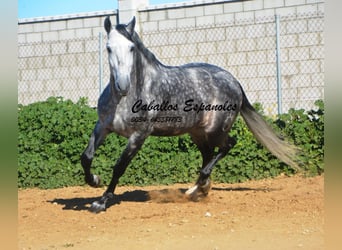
pixel 120 54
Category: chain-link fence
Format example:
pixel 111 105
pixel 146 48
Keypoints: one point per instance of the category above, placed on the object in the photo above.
pixel 302 60
pixel 66 68
pixel 246 48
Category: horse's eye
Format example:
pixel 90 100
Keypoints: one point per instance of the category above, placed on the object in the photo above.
pixel 109 50
pixel 131 49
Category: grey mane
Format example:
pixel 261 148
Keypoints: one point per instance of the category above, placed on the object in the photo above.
pixel 151 58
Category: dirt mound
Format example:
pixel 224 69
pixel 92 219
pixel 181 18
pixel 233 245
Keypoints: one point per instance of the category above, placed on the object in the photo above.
pixel 281 213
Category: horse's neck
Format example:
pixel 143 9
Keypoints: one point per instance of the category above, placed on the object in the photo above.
pixel 149 70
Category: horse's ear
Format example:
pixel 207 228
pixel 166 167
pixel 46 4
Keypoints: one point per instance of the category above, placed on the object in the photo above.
pixel 130 26
pixel 107 24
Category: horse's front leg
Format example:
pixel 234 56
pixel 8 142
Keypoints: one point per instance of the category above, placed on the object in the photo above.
pixel 135 142
pixel 96 139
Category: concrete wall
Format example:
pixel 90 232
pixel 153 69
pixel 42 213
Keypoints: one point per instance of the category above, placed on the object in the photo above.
pixel 236 35
pixel 59 56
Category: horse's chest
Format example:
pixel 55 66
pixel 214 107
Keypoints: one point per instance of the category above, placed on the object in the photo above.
pixel 121 121
pixel 119 126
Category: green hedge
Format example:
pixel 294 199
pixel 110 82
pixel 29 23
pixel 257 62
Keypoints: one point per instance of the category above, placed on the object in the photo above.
pixel 54 133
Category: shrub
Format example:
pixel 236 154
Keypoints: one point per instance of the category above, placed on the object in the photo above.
pixel 51 137
pixel 306 129
pixel 54 133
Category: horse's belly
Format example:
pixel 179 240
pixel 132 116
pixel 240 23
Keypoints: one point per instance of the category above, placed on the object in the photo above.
pixel 174 125
pixel 168 132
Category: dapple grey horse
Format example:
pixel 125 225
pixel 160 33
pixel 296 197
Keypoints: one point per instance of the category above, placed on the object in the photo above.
pixel 145 97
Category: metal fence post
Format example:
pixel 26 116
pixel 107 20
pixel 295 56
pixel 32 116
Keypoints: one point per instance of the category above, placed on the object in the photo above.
pixel 279 96
pixel 117 16
pixel 100 63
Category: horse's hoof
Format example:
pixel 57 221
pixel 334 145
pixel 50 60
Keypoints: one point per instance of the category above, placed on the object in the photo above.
pixel 97 207
pixel 204 189
pixel 192 193
pixel 96 181
pixel 191 190
pixel 198 192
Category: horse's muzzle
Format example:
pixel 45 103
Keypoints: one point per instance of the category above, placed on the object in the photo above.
pixel 122 86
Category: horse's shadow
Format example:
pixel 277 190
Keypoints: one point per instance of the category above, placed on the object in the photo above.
pixel 79 204
pixel 245 189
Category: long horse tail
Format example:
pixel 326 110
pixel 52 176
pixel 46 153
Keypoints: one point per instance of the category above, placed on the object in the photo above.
pixel 283 150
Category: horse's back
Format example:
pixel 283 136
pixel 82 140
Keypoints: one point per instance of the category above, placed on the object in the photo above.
pixel 220 80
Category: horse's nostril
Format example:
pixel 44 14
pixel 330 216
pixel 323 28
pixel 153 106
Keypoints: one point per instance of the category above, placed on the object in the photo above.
pixel 123 90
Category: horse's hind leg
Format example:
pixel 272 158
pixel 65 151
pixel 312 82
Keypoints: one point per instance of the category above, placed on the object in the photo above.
pixel 209 160
pixel 207 152
pixel 96 139
pixel 205 172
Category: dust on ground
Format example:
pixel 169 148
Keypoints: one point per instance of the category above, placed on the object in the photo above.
pixel 280 213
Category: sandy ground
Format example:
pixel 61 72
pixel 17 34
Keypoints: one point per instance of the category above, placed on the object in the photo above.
pixel 281 213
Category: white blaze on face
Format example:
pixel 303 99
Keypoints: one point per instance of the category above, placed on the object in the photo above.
pixel 120 55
